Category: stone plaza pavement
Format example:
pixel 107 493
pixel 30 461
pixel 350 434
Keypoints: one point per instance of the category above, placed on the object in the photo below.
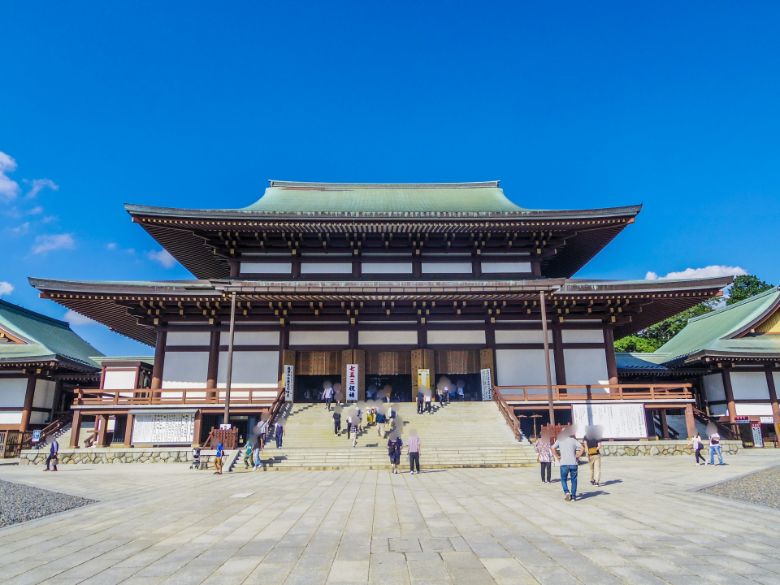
pixel 167 524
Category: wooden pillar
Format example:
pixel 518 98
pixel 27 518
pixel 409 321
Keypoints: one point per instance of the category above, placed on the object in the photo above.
pixel 690 422
pixel 357 268
pixel 417 268
pixel 159 360
pixel 770 382
pixel 609 347
pixel 28 403
pixel 196 429
pixel 664 423
pixel 476 266
pixel 235 268
pixel 75 429
pixel 729 395
pixel 102 421
pixel 213 367
pixel 296 268
pixel 560 365
pixel 486 362
pixel 129 430
pixel 650 422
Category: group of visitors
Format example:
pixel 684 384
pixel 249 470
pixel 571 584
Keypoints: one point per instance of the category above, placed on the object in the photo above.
pixel 567 450
pixel 413 450
pixel 715 449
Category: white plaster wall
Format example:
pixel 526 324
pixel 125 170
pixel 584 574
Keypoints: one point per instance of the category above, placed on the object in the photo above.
pixel 455 337
pixel 503 267
pixel 582 335
pixel 319 338
pixel 747 409
pixel 115 379
pixel 326 267
pixel 523 336
pixel 713 387
pixel 387 337
pixel 523 367
pixel 447 268
pixel 251 369
pixel 185 369
pixel 39 418
pixel 719 410
pixel 10 418
pixel 44 394
pixel 387 268
pixel 749 385
pixel 188 338
pixel 586 366
pixel 266 267
pixel 12 391
pixel 250 338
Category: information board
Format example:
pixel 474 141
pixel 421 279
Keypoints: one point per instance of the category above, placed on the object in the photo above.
pixel 758 439
pixel 163 429
pixel 289 383
pixel 618 421
pixel 423 379
pixel 352 382
pixel 487 385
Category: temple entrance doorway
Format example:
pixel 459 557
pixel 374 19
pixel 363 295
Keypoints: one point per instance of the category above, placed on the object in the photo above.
pixel 398 387
pixel 389 373
pixel 471 384
pixel 457 372
pixel 309 388
pixel 313 371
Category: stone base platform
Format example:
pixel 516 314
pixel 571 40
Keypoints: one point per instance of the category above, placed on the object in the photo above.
pixel 661 448
pixel 118 456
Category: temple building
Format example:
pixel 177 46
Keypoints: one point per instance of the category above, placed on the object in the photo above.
pixel 733 355
pixel 42 361
pixel 381 288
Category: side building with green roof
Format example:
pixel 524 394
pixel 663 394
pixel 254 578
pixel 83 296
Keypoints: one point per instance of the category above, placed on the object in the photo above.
pixel 41 361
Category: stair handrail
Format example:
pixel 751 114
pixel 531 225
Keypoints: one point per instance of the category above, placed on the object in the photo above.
pixel 726 432
pixel 509 414
pixel 52 428
pixel 276 406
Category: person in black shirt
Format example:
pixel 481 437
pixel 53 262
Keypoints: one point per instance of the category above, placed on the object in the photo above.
pixel 593 444
pixel 337 421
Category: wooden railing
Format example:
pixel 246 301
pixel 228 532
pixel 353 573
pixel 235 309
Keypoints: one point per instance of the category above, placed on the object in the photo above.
pixel 727 432
pixel 52 428
pixel 508 412
pixel 276 407
pixel 596 392
pixel 262 397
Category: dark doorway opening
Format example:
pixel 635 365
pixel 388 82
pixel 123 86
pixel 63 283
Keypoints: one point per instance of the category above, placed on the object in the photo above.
pixel 400 386
pixel 309 388
pixel 472 386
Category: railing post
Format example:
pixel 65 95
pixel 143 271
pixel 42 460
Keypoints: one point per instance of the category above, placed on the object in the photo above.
pixel 588 392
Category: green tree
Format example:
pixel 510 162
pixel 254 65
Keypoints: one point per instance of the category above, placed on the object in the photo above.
pixel 746 286
pixel 636 344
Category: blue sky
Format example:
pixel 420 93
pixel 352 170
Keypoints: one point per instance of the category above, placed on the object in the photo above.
pixel 569 104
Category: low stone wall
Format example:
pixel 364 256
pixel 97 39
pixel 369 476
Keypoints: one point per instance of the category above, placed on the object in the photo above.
pixel 661 448
pixel 118 456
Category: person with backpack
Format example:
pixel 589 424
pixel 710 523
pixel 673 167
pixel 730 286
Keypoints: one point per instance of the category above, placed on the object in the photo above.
pixel 381 419
pixel 593 443
pixel 394 447
pixel 697 445
pixel 337 421
pixel 248 459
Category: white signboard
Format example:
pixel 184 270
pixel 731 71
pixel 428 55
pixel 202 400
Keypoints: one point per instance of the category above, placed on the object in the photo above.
pixel 619 421
pixel 163 429
pixel 352 382
pixel 289 383
pixel 758 440
pixel 487 385
pixel 767 420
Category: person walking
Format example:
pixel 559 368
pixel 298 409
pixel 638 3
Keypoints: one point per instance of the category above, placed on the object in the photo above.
pixel 413 449
pixel 697 445
pixel 570 452
pixel 54 453
pixel 195 458
pixel 544 456
pixel 593 443
pixel 394 447
pixel 420 399
pixel 380 424
pixel 461 395
pixel 715 449
pixel 337 422
pixel 279 426
pixel 258 461
pixel 353 430
pixel 218 459
pixel 428 403
pixel 328 394
pixel 248 458
pixel 441 398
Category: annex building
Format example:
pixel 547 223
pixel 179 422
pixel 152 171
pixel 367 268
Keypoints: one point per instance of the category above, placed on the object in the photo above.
pixel 383 289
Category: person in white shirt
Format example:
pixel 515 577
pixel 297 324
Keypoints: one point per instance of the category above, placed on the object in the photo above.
pixel 715 448
pixel 697 447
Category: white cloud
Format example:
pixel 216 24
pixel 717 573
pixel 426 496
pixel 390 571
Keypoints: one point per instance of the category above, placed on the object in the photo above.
pixel 75 318
pixel 6 288
pixel 163 257
pixel 53 242
pixel 38 185
pixel 706 272
pixel 9 188
pixel 111 246
pixel 20 230
pixel 37 210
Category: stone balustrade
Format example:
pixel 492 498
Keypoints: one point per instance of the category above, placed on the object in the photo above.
pixel 661 448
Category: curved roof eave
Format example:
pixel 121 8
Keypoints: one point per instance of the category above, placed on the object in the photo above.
pixel 248 214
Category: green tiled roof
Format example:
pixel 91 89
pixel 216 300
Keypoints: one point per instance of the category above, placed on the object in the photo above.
pixel 288 197
pixel 712 334
pixel 46 338
pixel 641 361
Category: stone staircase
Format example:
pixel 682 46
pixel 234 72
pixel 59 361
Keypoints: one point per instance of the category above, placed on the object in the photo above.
pixel 461 434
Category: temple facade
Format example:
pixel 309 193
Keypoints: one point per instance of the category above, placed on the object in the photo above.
pixel 383 289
